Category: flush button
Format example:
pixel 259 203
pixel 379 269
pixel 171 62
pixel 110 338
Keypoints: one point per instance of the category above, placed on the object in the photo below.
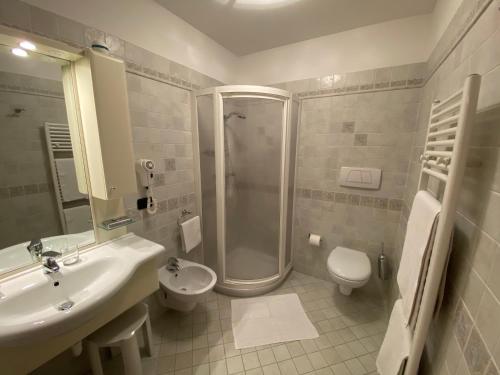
pixel 364 178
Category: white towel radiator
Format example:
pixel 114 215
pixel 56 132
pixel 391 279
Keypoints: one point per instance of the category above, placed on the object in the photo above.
pixel 443 167
pixel 59 145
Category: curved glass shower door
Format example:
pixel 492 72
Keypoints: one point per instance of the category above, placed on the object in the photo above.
pixel 246 151
pixel 253 137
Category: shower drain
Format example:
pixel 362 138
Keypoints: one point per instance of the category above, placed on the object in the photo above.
pixel 65 306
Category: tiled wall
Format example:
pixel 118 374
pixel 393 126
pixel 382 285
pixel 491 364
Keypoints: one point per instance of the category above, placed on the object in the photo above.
pixel 466 337
pixel 366 129
pixel 27 201
pixel 390 78
pixel 161 128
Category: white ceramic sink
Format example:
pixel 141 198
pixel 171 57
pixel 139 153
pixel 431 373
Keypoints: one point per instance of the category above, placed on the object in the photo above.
pixel 30 304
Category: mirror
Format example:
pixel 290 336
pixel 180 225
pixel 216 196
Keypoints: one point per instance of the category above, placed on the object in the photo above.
pixel 44 203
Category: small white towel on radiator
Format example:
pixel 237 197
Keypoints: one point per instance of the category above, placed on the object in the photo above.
pixel 417 247
pixel 191 233
pixel 396 346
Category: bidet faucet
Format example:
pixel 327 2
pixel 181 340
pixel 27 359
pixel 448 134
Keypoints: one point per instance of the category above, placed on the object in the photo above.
pixel 173 264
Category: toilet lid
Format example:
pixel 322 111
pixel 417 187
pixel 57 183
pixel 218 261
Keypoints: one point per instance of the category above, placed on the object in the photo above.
pixel 349 264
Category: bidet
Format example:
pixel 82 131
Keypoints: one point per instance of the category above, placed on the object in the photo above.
pixel 184 283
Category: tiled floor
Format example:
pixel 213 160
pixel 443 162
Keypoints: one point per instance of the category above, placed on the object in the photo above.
pixel 201 343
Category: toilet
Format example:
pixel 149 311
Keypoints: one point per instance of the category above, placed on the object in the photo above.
pixel 182 289
pixel 348 268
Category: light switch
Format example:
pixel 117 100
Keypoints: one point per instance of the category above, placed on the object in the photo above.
pixel 364 178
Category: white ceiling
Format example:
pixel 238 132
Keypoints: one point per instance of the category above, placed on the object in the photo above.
pixel 247 26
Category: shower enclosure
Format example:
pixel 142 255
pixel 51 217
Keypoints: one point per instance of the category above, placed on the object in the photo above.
pixel 247 138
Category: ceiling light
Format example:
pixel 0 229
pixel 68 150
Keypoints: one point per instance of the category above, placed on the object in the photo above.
pixel 263 4
pixel 19 52
pixel 26 44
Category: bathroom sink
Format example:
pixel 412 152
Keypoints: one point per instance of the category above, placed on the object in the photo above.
pixel 37 306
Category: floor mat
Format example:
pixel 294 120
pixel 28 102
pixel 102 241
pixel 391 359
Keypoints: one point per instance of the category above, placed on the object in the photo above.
pixel 268 320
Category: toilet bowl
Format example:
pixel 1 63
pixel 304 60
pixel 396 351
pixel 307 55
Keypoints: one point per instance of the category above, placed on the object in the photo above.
pixel 348 268
pixel 182 289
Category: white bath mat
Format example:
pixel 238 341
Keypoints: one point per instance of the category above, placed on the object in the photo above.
pixel 268 320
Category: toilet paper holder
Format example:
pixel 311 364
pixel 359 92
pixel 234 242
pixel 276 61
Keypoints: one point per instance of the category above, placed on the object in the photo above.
pixel 309 236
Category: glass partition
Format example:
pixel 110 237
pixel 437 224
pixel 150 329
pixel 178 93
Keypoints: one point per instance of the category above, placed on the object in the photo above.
pixel 252 153
pixel 247 145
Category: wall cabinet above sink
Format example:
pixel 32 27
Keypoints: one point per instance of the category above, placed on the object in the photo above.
pixel 102 92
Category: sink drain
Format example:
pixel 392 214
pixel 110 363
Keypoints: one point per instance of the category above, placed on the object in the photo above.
pixel 65 306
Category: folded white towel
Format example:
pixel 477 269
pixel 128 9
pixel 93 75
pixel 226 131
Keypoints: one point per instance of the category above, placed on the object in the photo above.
pixel 396 346
pixel 417 247
pixel 66 174
pixel 191 233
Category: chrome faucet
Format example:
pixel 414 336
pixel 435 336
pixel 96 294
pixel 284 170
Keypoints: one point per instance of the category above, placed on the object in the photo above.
pixel 173 264
pixel 50 265
pixel 35 248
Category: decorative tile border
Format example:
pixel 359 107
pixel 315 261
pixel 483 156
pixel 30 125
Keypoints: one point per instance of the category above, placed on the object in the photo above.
pixel 392 204
pixel 23 84
pixel 23 90
pixel 397 77
pixel 10 192
pixel 465 17
pixel 392 78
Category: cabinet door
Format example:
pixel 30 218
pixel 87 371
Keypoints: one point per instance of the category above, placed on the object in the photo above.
pixel 102 90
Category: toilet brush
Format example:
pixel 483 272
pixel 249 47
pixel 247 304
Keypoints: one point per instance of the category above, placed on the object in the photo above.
pixel 382 264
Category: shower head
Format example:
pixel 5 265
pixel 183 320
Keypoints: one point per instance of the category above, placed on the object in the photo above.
pixel 231 114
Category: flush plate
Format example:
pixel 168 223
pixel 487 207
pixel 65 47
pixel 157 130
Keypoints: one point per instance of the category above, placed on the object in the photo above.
pixel 363 178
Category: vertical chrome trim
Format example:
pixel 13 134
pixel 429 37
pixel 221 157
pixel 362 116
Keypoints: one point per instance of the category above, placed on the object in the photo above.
pixel 220 182
pixel 299 111
pixel 285 141
pixel 197 165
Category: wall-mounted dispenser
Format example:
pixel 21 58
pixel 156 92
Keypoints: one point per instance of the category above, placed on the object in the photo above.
pixel 146 173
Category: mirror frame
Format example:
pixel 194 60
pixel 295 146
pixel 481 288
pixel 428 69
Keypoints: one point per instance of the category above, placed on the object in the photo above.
pixel 51 48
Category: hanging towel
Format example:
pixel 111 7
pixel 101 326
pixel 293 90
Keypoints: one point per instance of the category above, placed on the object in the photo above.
pixel 442 285
pixel 68 183
pixel 191 233
pixel 396 346
pixel 417 247
pixel 78 219
pixel 420 291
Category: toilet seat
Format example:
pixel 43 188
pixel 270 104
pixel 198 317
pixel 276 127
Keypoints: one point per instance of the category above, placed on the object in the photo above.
pixel 349 265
